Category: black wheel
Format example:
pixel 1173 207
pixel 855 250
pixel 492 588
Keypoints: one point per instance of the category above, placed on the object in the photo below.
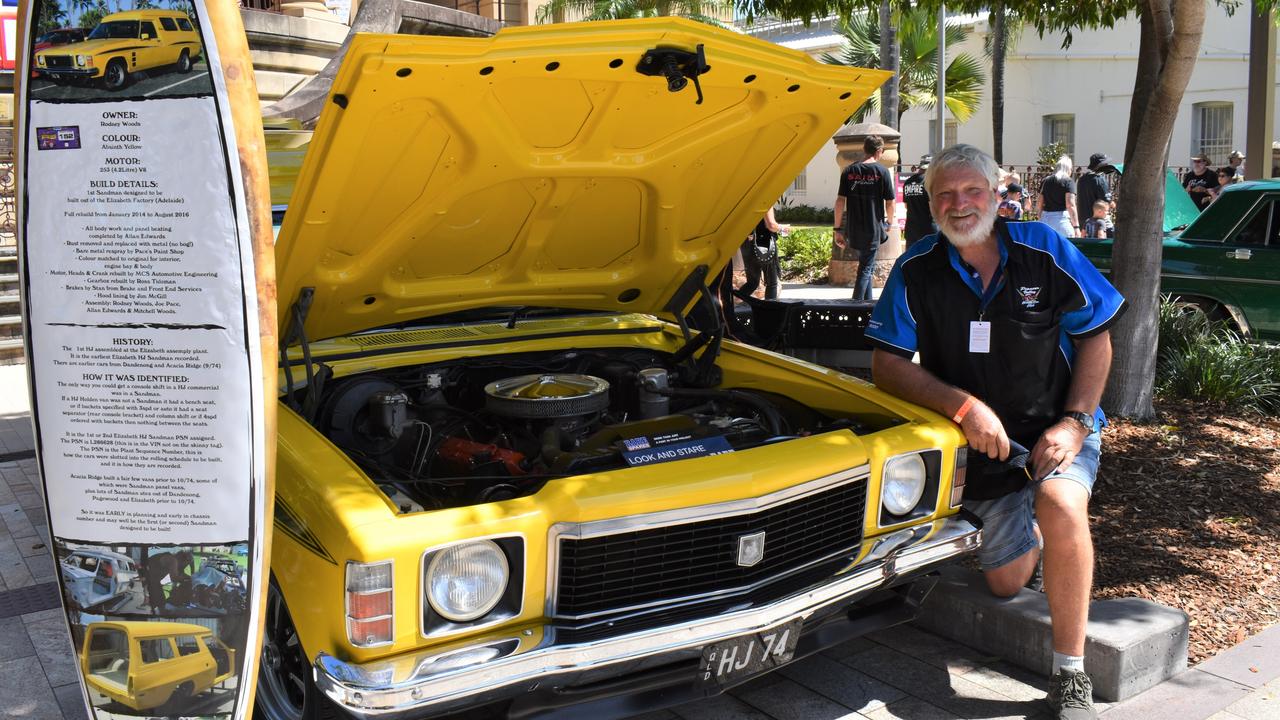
pixel 285 688
pixel 1203 312
pixel 116 75
pixel 184 62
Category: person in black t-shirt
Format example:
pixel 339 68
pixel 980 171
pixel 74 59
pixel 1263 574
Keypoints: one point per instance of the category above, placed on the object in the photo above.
pixel 865 203
pixel 1056 203
pixel 916 198
pixel 1093 186
pixel 1201 183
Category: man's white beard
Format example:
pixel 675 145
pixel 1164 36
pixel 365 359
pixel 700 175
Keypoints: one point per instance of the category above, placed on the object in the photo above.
pixel 974 232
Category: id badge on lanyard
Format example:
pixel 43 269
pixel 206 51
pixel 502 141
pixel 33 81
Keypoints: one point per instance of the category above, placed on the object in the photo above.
pixel 979 336
pixel 980 329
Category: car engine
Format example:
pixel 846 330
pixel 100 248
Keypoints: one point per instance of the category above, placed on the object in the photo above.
pixel 488 429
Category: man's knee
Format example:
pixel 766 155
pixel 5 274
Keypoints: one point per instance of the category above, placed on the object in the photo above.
pixel 1006 580
pixel 1003 585
pixel 1063 503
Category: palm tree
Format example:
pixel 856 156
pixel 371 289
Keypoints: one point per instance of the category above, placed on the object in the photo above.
pixel 79 7
pixel 1005 31
pixel 889 52
pixel 917 73
pixel 708 11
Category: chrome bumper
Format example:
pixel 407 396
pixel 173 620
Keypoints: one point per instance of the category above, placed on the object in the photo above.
pixel 69 72
pixel 478 672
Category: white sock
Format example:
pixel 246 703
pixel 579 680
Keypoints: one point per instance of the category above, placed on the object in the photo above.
pixel 1069 662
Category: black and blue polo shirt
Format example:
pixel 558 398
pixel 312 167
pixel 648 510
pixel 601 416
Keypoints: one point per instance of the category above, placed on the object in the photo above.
pixel 1045 293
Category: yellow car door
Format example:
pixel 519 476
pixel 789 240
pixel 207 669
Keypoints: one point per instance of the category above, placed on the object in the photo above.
pixel 151 51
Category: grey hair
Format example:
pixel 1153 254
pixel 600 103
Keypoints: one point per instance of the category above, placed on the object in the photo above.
pixel 962 156
pixel 1063 169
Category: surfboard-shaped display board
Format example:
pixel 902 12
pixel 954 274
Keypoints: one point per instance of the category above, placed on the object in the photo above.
pixel 149 306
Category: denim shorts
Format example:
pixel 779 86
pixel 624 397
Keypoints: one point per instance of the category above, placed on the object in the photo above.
pixel 1008 522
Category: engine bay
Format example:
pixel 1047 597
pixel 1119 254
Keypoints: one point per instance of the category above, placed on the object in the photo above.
pixel 493 428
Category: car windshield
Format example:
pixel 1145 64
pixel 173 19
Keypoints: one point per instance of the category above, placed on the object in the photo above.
pixel 115 29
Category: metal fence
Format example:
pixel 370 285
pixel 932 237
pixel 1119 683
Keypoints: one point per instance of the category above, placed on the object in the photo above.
pixel 8 212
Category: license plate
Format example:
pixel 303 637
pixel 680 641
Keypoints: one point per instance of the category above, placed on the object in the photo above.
pixel 732 660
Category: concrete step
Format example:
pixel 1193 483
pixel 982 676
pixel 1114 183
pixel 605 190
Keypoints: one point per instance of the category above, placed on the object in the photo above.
pixel 1132 644
pixel 10 303
pixel 11 352
pixel 10 326
pixel 8 282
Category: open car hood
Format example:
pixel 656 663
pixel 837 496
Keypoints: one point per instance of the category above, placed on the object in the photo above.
pixel 540 167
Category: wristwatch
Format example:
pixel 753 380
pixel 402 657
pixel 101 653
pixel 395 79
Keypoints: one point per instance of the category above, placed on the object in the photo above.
pixel 1085 419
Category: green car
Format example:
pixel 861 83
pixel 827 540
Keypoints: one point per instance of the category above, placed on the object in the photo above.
pixel 1227 260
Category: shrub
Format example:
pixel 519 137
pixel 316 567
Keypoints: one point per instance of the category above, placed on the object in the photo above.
pixel 804 215
pixel 804 254
pixel 1203 360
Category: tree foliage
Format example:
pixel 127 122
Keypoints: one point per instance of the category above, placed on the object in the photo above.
pixel 52 17
pixel 708 11
pixel 917 62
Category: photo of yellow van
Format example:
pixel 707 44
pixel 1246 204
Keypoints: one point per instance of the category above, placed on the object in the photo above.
pixel 122 44
pixel 153 665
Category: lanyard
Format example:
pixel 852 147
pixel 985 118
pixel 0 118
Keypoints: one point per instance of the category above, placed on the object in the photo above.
pixel 997 279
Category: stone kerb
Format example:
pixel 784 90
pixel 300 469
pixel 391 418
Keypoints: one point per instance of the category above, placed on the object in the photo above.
pixel 1132 645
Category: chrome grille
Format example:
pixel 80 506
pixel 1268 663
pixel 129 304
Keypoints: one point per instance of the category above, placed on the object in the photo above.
pixel 656 565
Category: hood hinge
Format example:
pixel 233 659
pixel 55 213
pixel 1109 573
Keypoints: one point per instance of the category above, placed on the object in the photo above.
pixel 295 332
pixel 702 370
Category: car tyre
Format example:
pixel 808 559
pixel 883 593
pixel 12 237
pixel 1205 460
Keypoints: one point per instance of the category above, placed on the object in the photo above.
pixel 116 75
pixel 1203 312
pixel 286 690
pixel 184 62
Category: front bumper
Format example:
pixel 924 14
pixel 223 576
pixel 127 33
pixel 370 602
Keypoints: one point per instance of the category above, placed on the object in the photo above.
pixel 499 667
pixel 66 72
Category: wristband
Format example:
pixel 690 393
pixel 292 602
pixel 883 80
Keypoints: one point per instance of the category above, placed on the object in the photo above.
pixel 964 409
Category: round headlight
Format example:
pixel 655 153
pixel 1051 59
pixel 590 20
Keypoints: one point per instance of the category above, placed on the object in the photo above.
pixel 903 484
pixel 465 581
pixel 81 59
pixel 40 60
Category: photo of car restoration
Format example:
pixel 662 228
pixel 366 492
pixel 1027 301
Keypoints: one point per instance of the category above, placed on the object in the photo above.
pixel 129 53
pixel 159 667
pixel 154 580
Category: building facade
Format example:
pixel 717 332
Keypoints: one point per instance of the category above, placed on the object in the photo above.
pixel 1079 96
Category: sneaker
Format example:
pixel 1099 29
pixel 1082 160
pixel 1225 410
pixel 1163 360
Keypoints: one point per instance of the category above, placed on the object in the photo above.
pixel 1071 696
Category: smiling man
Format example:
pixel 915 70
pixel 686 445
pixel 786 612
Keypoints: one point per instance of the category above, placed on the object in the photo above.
pixel 1011 324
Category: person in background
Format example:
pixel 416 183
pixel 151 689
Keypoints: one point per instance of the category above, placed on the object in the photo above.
pixel 919 217
pixel 964 299
pixel 171 565
pixel 1098 225
pixel 1056 203
pixel 760 257
pixel 865 202
pixel 1236 161
pixel 1226 176
pixel 1201 183
pixel 1093 186
pixel 1011 202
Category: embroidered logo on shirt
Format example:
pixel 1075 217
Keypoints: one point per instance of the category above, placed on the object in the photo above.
pixel 1030 296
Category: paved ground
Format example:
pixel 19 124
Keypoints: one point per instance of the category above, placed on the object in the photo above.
pixel 903 672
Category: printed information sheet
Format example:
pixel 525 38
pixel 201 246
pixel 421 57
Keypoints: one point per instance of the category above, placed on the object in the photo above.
pixel 144 355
